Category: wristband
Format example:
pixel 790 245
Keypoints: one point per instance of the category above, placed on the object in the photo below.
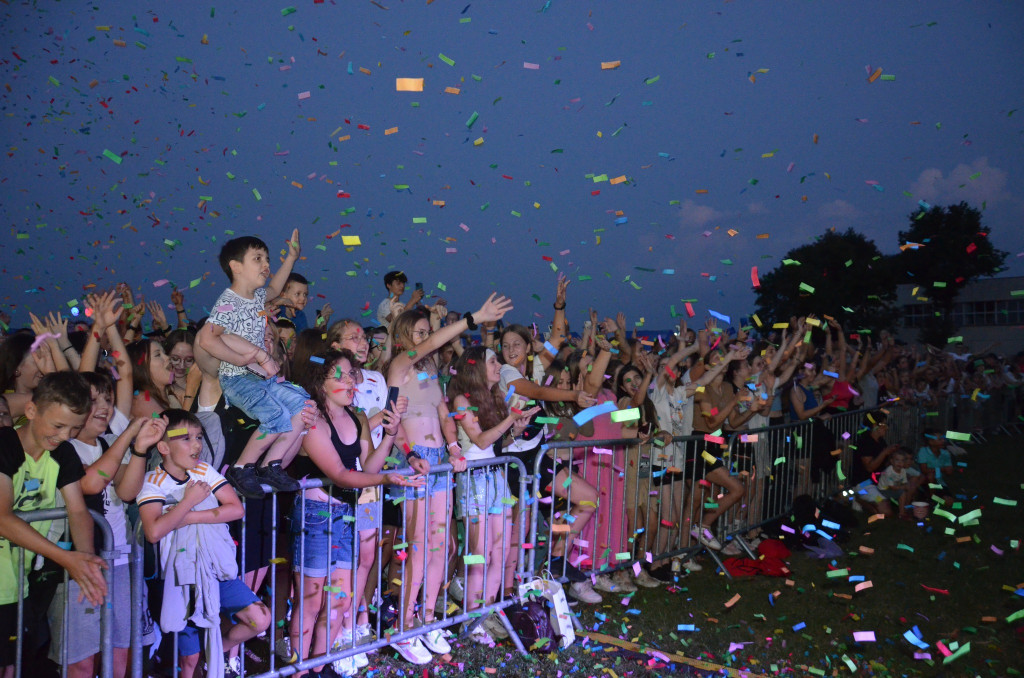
pixel 557 307
pixel 66 348
pixel 412 455
pixel 143 455
pixel 449 445
pixel 469 320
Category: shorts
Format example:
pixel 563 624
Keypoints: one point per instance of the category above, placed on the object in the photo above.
pixel 868 491
pixel 694 460
pixel 527 458
pixel 368 515
pixel 662 476
pixel 328 542
pixel 235 596
pixel 84 619
pixel 8 633
pixel 481 491
pixel 436 482
pixel 270 401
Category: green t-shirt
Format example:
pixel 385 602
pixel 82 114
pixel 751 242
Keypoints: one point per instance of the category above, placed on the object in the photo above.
pixel 35 483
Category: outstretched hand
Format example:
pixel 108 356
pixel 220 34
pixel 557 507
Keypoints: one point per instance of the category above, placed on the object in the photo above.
pixel 494 308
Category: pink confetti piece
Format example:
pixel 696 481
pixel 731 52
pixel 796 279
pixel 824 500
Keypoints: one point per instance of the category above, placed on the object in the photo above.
pixel 304 95
pixel 464 227
pixel 922 655
pixel 40 338
pixel 533 67
pixel 864 636
pixel 224 308
pixel 450 250
pixel 160 283
pixel 863 585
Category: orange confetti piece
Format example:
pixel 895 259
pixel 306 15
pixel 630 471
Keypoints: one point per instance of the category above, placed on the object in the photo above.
pixel 452 90
pixel 390 130
pixel 874 76
pixel 732 601
pixel 406 84
pixel 609 65
pixel 617 180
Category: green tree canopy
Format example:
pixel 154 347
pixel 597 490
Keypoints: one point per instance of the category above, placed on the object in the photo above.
pixel 843 275
pixel 944 249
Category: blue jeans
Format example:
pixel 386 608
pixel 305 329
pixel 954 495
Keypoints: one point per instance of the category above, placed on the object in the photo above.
pixel 272 402
pixel 328 541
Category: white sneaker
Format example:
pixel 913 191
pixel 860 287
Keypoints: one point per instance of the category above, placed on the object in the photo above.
pixel 456 590
pixel 481 636
pixel 585 593
pixel 345 640
pixel 646 580
pixel 364 634
pixel 604 583
pixel 346 666
pixel 412 651
pixel 692 565
pixel 436 641
pixel 732 549
pixel 232 667
pixel 623 581
pixel 495 627
pixel 704 536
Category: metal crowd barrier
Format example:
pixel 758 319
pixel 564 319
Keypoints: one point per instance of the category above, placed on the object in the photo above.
pixel 106 639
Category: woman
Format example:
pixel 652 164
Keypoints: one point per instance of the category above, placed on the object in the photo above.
pixel 324 546
pixel 371 399
pixel 428 511
pixel 518 389
pixel 151 378
pixel 482 494
pixel 806 402
pixel 178 347
pixel 715 409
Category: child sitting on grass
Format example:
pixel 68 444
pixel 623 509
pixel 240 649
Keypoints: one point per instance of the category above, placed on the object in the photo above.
pixel 900 480
pixel 185 506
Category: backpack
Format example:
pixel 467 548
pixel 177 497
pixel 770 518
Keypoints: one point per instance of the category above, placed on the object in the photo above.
pixel 532 625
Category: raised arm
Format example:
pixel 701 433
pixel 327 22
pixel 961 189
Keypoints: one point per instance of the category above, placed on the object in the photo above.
pixel 558 324
pixel 280 278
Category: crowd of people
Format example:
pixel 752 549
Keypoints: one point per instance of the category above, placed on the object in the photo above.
pixel 170 427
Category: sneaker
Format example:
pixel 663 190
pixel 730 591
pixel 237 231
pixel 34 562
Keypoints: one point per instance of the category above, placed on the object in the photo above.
pixel 285 653
pixel 232 667
pixel 364 634
pixel 646 580
pixel 584 592
pixel 604 583
pixel 272 474
pixel 732 549
pixel 412 651
pixel 623 581
pixel 244 480
pixel 358 660
pixel 704 536
pixel 346 666
pixel 692 565
pixel 456 590
pixel 495 627
pixel 480 635
pixel 754 543
pixel 436 641
pixel 572 573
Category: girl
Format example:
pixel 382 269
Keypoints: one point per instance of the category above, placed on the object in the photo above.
pixel 151 378
pixel 178 346
pixel 480 495
pixel 428 511
pixel 332 451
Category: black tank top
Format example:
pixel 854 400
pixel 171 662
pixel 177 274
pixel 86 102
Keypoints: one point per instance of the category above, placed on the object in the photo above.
pixel 304 467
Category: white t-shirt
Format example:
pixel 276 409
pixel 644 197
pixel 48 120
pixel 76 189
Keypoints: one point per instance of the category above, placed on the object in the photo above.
pixel 159 487
pixel 242 317
pixel 508 375
pixel 371 397
pixel 113 507
pixel 388 306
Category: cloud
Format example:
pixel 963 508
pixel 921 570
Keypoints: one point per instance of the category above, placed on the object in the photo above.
pixel 757 208
pixel 838 209
pixel 976 183
pixel 694 215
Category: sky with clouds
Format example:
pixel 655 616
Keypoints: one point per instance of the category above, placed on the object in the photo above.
pixel 653 152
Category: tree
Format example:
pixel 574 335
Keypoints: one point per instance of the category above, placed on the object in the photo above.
pixel 843 275
pixel 944 249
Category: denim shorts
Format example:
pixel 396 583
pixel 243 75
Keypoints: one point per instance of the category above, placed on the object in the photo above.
pixel 329 540
pixel 436 482
pixel 481 491
pixel 272 402
pixel 235 596
pixel 367 515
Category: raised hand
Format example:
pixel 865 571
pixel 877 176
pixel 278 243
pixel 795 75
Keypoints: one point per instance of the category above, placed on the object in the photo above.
pixel 560 287
pixel 494 308
pixel 159 319
pixel 151 431
pixel 294 248
pixel 178 299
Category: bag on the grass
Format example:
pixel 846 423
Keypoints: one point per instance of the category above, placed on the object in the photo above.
pixel 559 615
pixel 533 626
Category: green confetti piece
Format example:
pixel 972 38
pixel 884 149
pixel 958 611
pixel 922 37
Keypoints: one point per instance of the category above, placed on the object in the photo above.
pixel 450 62
pixel 904 547
pixel 288 10
pixel 967 517
pixel 54 81
pixel 632 414
pixel 472 119
pixel 832 574
pixel 954 435
pixel 256 194
pixel 111 156
pixel 474 559
pixel 804 287
pixel 1004 502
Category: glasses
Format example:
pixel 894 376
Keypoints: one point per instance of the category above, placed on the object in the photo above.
pixel 351 374
pixel 359 338
pixel 421 333
pixel 182 362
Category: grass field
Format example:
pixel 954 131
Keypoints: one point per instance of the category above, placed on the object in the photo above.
pixel 941 577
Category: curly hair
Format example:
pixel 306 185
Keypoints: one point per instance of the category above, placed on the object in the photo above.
pixel 470 380
pixel 320 370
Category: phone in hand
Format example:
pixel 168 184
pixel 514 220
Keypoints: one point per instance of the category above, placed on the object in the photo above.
pixel 392 401
pixel 419 286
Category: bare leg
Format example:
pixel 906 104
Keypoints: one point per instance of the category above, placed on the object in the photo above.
pixel 367 559
pixel 187 665
pixel 720 476
pixel 312 591
pixel 258 443
pixel 416 536
pixel 499 539
pixel 438 522
pixel 584 503
pixel 252 621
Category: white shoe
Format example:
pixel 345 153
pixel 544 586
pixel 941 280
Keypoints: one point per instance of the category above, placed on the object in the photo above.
pixel 585 593
pixel 412 651
pixel 232 667
pixel 285 653
pixel 625 584
pixel 364 634
pixel 358 661
pixel 346 666
pixel 704 536
pixel 495 627
pixel 481 636
pixel 732 549
pixel 456 590
pixel 604 583
pixel 646 580
pixel 437 642
pixel 692 565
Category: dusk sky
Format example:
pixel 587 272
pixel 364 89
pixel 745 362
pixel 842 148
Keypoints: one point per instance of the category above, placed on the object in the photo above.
pixel 653 151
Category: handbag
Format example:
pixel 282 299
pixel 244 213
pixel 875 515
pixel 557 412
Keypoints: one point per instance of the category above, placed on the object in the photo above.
pixel 559 615
pixel 533 626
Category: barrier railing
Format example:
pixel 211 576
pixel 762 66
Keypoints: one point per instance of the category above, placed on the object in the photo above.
pixel 106 639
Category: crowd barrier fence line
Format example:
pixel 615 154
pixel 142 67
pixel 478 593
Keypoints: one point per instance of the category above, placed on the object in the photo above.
pixel 107 553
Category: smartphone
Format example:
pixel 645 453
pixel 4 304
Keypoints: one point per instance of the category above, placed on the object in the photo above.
pixel 392 402
pixel 419 286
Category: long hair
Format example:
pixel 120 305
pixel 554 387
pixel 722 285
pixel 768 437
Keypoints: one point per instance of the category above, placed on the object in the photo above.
pixel 12 352
pixel 401 340
pixel 524 334
pixel 319 371
pixel 470 380
pixel 142 381
pixel 176 337
pixel 307 344
pixel 648 415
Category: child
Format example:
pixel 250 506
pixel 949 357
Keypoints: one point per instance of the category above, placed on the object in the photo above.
pixel 33 466
pixel 114 470
pixel 184 506
pixel 934 459
pixel 294 298
pixel 389 309
pixel 235 334
pixel 900 480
